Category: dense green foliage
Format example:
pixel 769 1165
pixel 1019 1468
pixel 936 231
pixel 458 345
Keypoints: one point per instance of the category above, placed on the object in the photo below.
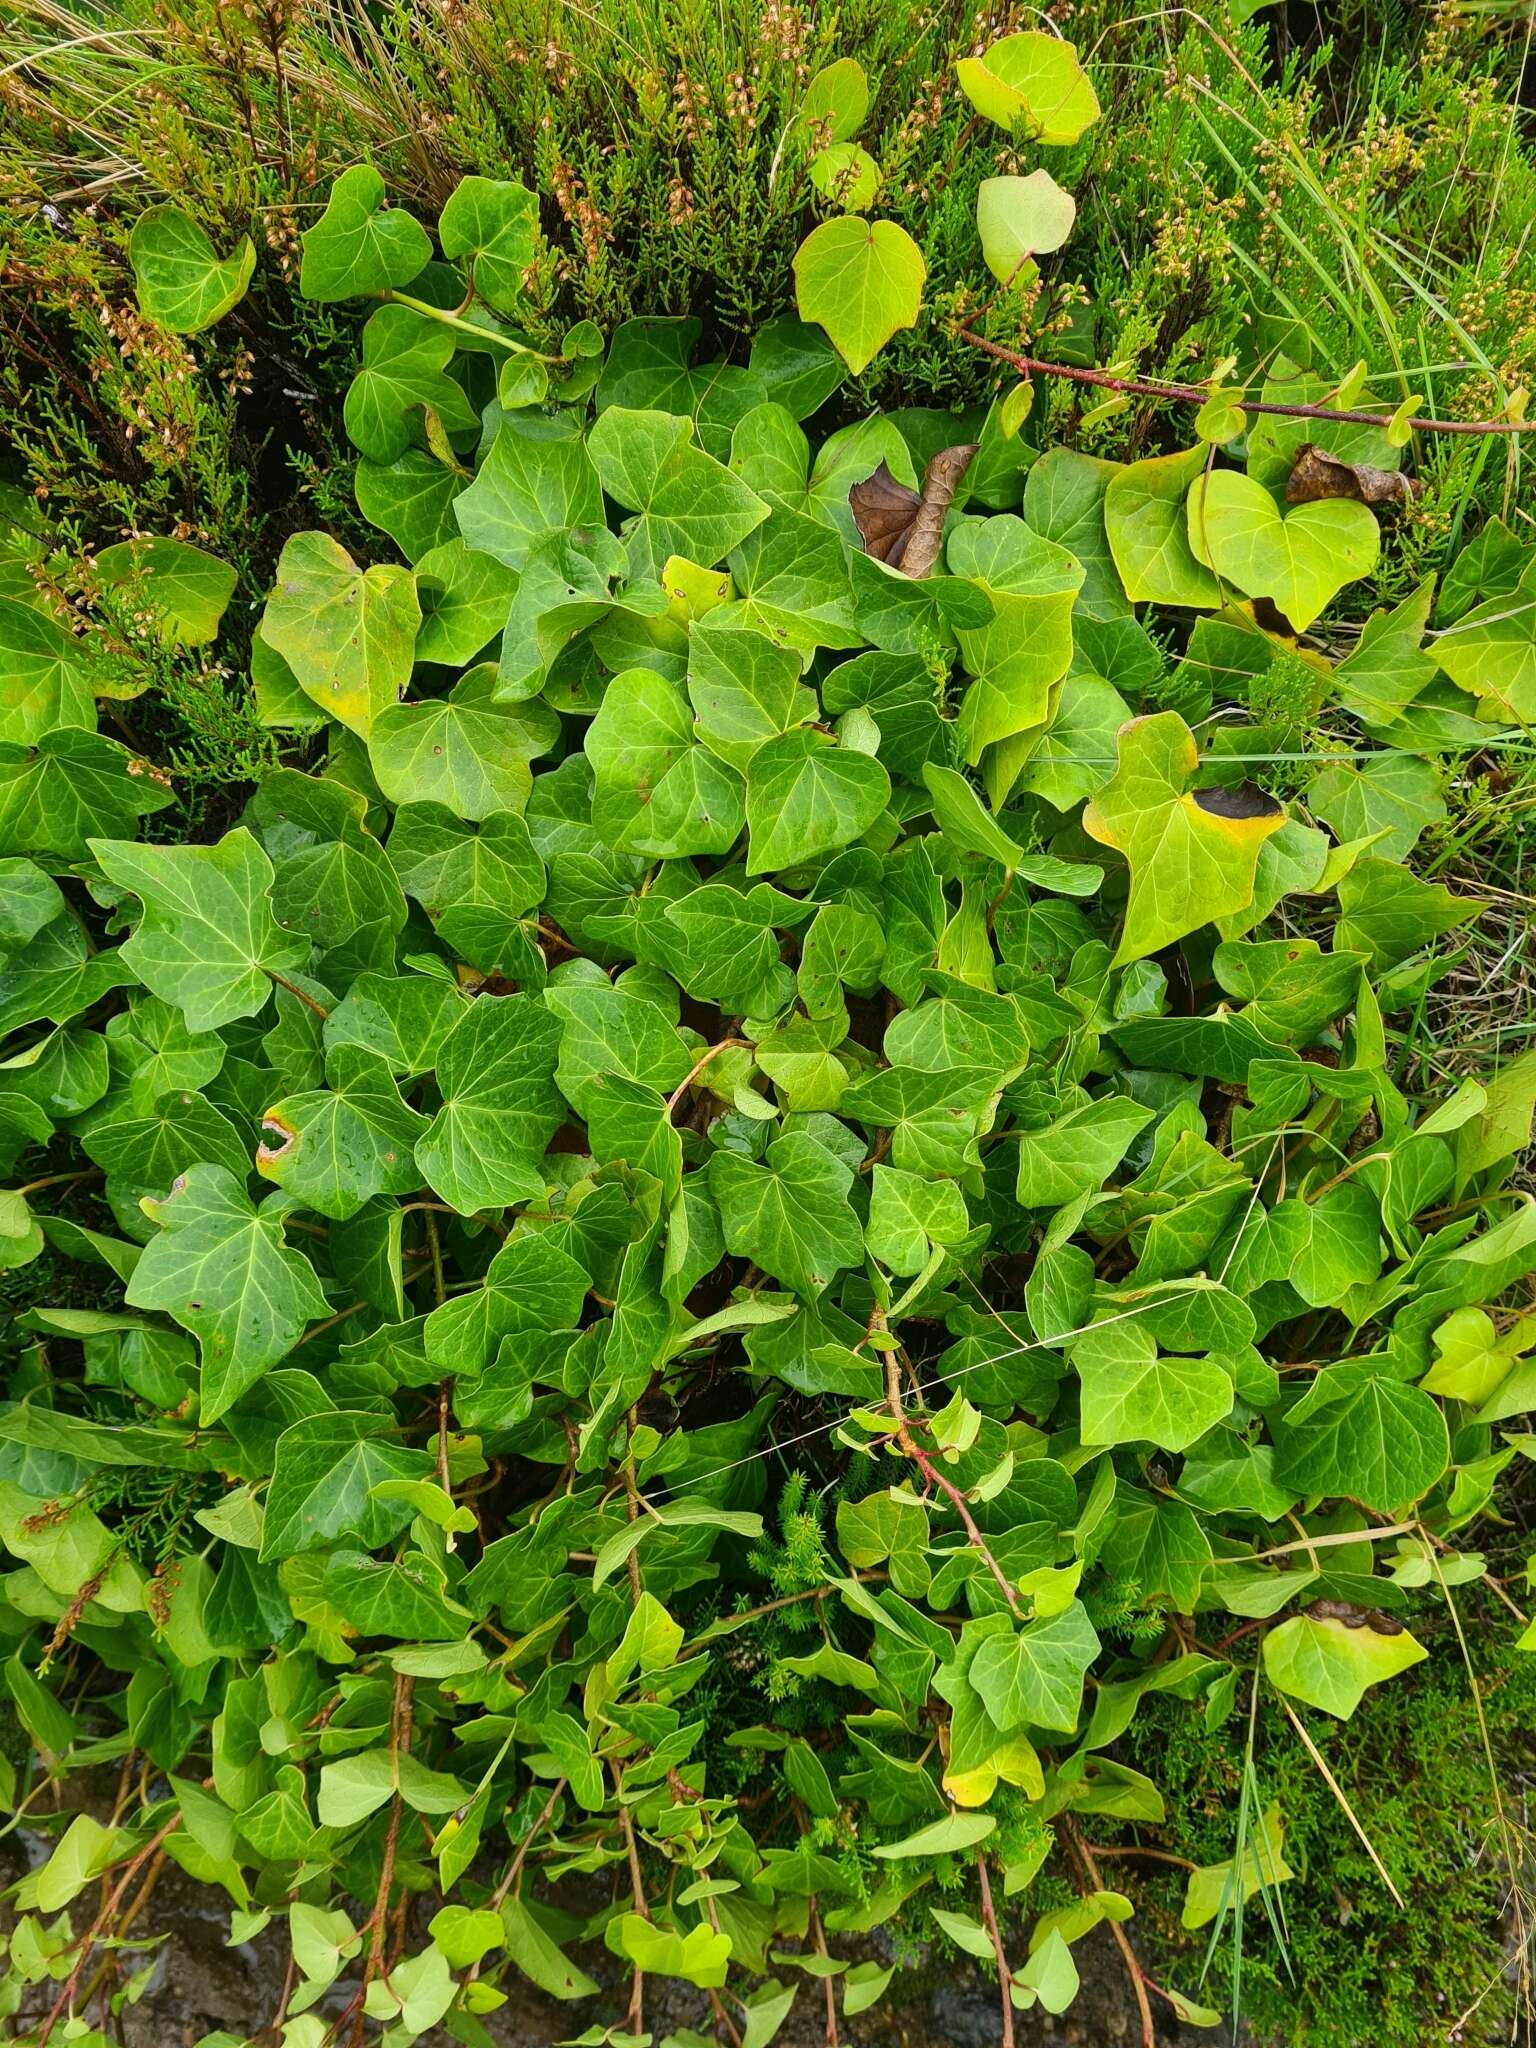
pixel 756 1206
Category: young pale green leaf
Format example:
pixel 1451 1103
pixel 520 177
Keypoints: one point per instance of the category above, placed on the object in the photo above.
pixel 1192 853
pixel 1325 1663
pixel 347 634
pixel 1300 560
pixel 1033 85
pixel 862 281
pixel 1021 217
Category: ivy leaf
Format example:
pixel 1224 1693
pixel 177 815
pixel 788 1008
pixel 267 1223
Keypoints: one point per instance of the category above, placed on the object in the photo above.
pixel 655 791
pixel 358 247
pixel 1299 559
pixel 910 1215
pixel 1035 1675
pixel 184 587
pixel 494 222
pixel 405 356
pixel 806 796
pixel 45 679
pixel 1376 1441
pixel 1491 651
pixel 500 1108
pixel 219 1266
pixel 1132 1393
pixel 1391 799
pixel 685 503
pixel 1192 854
pixel 531 1284
pixel 1078 1152
pixel 326 1474
pixel 1031 585
pixel 1326 1663
pixel 1033 85
pixel 337 1147
pixel 54 795
pixel 347 634
pixel 1388 913
pixel 790 1215
pixel 1145 522
pixel 1021 217
pixel 207 940
pixel 862 281
pixel 465 750
pixel 181 281
pixel 537 478
pixel 465 597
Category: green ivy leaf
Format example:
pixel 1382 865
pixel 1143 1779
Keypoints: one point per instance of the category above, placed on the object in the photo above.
pixel 181 281
pixel 791 1215
pixel 806 796
pixel 220 1267
pixel 206 940
pixel 1299 559
pixel 359 248
pixel 685 503
pixel 495 223
pixel 862 281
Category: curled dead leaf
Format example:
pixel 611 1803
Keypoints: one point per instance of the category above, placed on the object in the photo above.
pixel 1317 474
pixel 905 528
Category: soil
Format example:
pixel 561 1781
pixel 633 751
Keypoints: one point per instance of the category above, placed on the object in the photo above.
pixel 201 1985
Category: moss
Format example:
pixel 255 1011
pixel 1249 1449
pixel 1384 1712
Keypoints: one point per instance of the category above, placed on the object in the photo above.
pixel 1412 1765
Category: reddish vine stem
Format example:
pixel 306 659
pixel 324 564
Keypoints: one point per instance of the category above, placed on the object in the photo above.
pixel 1194 394
pixel 99 1925
pixel 914 1450
pixel 1004 1974
pixel 1094 1882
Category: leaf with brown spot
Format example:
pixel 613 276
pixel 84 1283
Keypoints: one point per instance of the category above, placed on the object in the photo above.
pixel 1192 853
pixel 905 528
pixel 1317 474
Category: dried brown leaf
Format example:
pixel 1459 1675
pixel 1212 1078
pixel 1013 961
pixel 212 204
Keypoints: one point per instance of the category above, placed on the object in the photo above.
pixel 1317 474
pixel 905 528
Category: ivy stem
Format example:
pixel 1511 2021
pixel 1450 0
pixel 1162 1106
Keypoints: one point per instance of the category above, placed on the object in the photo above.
pixel 1094 1882
pixel 696 1069
pixel 308 1001
pixel 526 1844
pixel 934 1476
pixel 1193 394
pixel 1004 1974
pixel 482 334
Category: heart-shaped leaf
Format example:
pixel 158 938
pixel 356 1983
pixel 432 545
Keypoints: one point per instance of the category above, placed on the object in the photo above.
pixel 347 634
pixel 1033 85
pixel 358 246
pixel 495 223
pixel 862 280
pixel 1021 217
pixel 182 282
pixel 1300 560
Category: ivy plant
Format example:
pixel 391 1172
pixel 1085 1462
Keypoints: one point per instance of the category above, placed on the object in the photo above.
pixel 754 1192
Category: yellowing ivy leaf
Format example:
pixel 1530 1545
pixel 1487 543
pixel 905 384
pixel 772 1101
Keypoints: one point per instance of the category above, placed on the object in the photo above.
pixel 1192 853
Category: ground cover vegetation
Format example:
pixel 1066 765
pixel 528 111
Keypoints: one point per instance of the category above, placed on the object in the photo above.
pixel 761 804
